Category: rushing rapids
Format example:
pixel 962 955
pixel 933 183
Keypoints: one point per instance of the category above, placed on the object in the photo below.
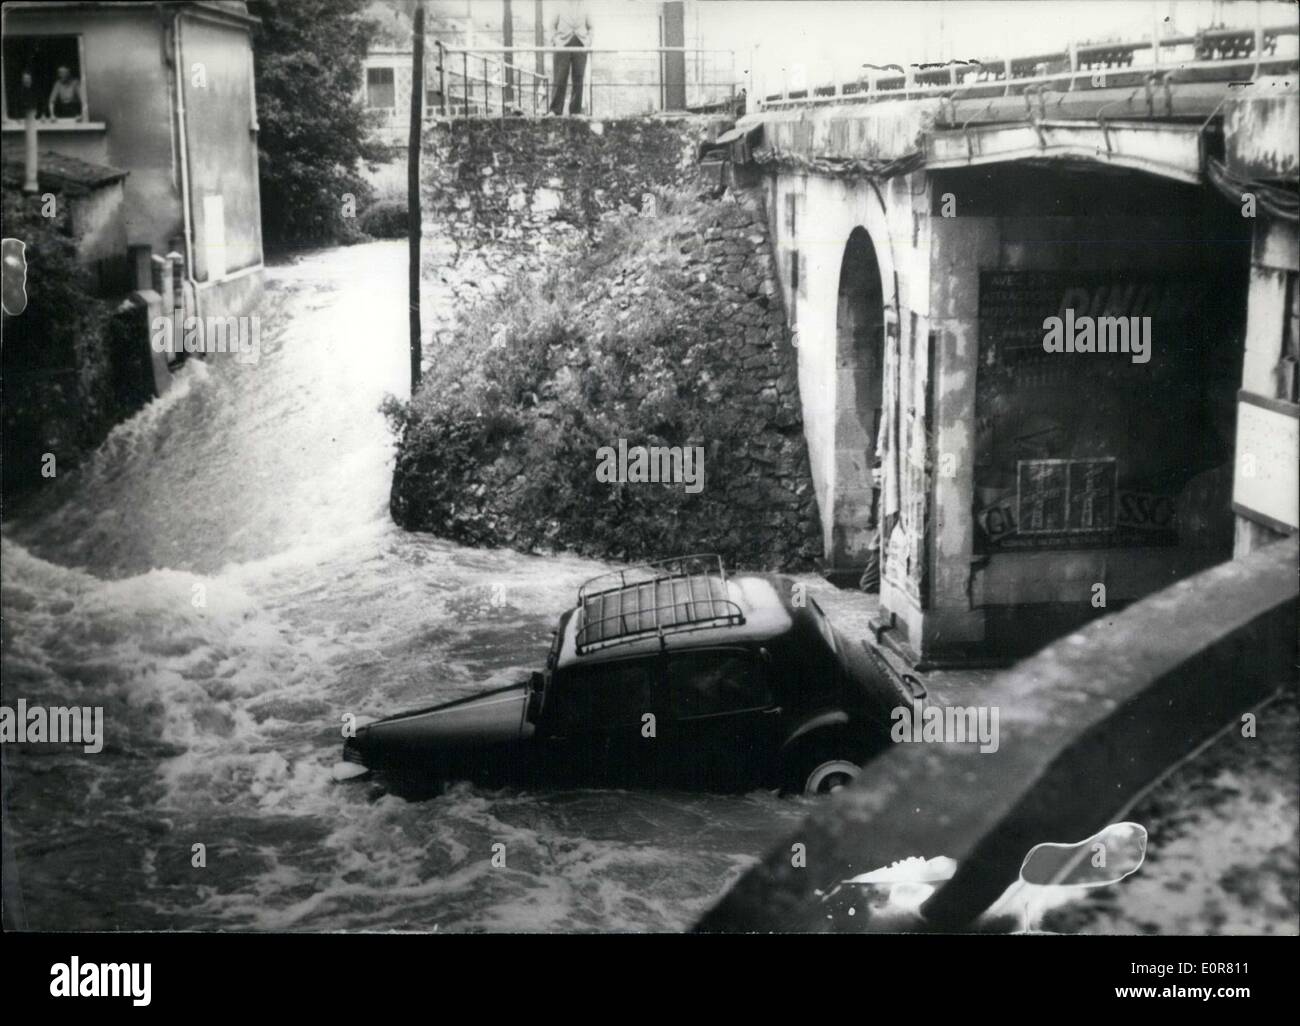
pixel 224 580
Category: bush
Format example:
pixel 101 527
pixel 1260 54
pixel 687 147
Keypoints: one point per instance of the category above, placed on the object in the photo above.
pixel 58 373
pixel 314 132
pixel 387 219
pixel 499 444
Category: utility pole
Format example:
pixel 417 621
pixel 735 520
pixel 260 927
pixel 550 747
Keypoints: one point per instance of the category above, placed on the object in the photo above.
pixel 508 39
pixel 674 64
pixel 539 39
pixel 413 193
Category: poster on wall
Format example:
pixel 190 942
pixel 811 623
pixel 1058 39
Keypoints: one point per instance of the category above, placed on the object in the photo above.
pixel 1266 486
pixel 1109 427
pixel 906 546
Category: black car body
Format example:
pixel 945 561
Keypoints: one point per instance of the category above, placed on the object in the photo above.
pixel 672 674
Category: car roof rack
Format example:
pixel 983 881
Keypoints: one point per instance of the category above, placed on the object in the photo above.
pixel 685 593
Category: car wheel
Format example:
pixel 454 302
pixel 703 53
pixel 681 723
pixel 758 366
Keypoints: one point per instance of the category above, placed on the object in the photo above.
pixel 821 769
pixel 830 776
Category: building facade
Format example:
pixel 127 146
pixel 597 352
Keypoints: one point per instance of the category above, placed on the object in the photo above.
pixel 166 95
pixel 632 82
pixel 1033 478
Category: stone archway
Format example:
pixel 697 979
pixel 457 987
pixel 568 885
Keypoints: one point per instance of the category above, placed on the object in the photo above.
pixel 859 398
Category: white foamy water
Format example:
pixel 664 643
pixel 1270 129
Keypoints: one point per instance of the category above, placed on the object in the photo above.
pixel 223 578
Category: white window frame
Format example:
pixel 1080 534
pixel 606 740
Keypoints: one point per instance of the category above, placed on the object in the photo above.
pixel 392 70
pixel 86 121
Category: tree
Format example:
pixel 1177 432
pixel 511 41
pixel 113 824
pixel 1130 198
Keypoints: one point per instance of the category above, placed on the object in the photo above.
pixel 314 129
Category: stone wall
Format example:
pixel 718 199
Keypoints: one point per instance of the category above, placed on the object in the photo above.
pixel 620 212
pixel 501 196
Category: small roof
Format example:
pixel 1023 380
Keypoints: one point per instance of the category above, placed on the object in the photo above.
pixel 60 172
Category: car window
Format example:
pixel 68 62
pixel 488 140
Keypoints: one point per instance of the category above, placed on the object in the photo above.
pixel 606 695
pixel 716 681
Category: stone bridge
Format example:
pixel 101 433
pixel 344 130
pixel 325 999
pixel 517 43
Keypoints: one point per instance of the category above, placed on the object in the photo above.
pixel 926 226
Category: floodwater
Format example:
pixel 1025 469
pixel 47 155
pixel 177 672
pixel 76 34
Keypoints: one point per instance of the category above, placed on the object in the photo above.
pixel 224 580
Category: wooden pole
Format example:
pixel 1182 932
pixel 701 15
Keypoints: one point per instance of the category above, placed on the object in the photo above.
pixel 31 177
pixel 539 39
pixel 508 39
pixel 413 193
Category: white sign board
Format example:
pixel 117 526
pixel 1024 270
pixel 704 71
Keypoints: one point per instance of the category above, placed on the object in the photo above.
pixel 214 234
pixel 1266 478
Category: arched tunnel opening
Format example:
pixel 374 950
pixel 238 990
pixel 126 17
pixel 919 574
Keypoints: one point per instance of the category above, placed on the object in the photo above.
pixel 859 391
pixel 1102 465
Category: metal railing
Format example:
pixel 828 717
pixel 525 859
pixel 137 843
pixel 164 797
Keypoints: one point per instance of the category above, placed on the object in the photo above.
pixel 675 595
pixel 1212 54
pixel 486 85
pixel 477 81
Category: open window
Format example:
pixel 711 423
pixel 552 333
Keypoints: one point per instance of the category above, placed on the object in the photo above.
pixel 381 89
pixel 54 67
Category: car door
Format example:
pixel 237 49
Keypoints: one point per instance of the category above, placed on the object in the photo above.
pixel 722 715
pixel 596 724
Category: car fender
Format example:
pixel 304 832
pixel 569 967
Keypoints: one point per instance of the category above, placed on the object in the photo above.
pixel 818 721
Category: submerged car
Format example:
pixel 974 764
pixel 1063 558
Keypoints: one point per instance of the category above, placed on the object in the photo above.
pixel 670 674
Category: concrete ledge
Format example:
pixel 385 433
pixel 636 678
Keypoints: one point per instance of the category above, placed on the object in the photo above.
pixel 235 295
pixel 1086 725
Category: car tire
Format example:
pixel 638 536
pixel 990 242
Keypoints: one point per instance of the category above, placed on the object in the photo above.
pixel 821 768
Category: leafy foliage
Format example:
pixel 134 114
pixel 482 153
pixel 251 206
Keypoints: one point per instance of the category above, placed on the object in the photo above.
pixel 63 316
pixel 314 130
pixel 506 427
pixel 58 359
pixel 386 219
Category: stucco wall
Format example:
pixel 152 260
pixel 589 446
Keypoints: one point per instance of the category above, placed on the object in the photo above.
pixel 222 146
pixel 131 123
pixel 125 85
pixel 894 215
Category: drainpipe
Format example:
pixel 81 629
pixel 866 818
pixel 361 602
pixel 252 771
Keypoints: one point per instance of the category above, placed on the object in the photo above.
pixel 31 174
pixel 183 149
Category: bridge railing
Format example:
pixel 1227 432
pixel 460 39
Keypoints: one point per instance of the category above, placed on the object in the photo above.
pixel 1212 54
pixel 482 81
pixel 1090 724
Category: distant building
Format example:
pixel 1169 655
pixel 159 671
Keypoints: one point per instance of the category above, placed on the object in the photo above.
pixel 164 93
pixel 623 84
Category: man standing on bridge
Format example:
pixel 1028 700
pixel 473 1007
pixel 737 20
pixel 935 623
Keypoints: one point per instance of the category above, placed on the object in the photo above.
pixel 570 27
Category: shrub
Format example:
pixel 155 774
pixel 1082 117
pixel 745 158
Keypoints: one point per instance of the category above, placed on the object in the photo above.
pixel 58 374
pixel 314 132
pixel 499 444
pixel 386 219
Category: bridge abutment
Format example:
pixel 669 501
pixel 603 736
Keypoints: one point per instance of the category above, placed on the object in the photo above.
pixel 1027 490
